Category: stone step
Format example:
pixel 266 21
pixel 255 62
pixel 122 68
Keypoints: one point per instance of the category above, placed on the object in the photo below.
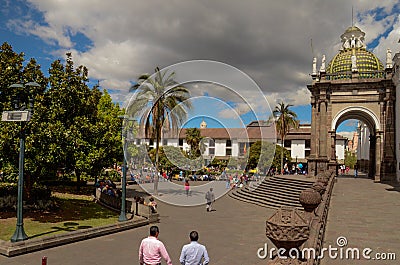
pixel 273 192
pixel 289 182
pixel 278 186
pixel 264 202
pixel 270 198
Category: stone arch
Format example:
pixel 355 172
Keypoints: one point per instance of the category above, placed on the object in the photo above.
pixel 369 118
pixel 359 113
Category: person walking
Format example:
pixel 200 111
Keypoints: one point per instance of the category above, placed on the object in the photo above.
pixel 356 170
pixel 151 249
pixel 210 197
pixel 194 253
pixel 187 187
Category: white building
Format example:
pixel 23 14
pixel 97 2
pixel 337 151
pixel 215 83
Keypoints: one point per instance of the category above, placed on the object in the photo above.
pixel 224 143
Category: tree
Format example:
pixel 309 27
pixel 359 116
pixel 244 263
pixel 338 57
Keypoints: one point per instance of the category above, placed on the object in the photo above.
pixel 279 151
pixel 73 127
pixel 13 71
pixel 350 159
pixel 159 102
pixel 193 139
pixel 261 155
pixel 285 120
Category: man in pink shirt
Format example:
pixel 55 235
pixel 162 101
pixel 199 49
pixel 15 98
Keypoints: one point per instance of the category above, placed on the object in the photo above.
pixel 151 249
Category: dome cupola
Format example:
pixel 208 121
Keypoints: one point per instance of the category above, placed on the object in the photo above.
pixel 354 57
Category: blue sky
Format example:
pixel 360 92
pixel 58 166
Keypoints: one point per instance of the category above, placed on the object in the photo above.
pixel 118 42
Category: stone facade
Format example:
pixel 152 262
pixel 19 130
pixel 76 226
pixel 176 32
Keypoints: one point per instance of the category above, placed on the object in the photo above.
pixel 367 96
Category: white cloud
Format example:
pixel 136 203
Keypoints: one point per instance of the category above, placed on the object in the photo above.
pixel 50 35
pixel 268 40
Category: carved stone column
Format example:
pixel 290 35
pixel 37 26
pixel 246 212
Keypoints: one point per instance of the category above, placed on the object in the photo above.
pixel 323 131
pixel 378 157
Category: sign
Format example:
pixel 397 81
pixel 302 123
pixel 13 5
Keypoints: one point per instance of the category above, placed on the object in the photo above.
pixel 18 115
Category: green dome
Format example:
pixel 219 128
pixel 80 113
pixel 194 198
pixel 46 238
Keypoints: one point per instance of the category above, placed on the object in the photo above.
pixel 366 62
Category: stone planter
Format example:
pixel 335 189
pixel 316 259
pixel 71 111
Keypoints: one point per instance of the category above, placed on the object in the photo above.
pixel 319 187
pixel 328 174
pixel 287 228
pixel 323 179
pixel 310 199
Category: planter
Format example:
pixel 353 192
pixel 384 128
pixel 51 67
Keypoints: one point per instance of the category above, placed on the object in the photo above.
pixel 319 187
pixel 323 179
pixel 287 228
pixel 310 199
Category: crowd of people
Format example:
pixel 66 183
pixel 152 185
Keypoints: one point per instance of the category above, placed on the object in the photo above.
pixel 108 187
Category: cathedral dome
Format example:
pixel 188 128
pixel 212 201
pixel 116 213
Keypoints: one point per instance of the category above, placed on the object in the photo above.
pixel 353 57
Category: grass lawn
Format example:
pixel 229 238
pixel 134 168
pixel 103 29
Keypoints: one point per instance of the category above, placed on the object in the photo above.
pixel 76 211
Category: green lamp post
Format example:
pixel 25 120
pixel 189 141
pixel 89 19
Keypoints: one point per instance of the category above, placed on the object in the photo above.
pixel 22 113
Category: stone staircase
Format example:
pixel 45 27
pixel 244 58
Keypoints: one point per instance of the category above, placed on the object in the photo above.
pixel 274 192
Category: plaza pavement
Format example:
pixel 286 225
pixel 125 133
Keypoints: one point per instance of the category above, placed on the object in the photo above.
pixel 367 214
pixel 232 234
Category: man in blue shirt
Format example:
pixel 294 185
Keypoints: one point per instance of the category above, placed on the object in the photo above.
pixel 193 253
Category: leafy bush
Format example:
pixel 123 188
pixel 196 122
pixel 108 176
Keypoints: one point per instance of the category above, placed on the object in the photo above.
pixel 39 197
pixel 10 173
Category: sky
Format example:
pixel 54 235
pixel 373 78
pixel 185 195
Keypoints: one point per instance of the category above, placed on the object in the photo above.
pixel 270 42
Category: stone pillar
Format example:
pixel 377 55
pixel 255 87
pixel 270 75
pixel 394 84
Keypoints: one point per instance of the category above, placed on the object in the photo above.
pixel 388 150
pixel 323 131
pixel 333 145
pixel 378 157
pixel 312 163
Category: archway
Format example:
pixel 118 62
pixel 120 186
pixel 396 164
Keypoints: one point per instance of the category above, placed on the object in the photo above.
pixel 368 127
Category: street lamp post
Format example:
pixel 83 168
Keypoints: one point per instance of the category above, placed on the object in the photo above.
pixel 21 114
pixel 122 217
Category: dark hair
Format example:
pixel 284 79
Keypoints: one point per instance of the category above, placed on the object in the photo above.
pixel 151 199
pixel 194 236
pixel 154 230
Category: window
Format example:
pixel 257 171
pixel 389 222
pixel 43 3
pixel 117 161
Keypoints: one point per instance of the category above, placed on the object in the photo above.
pixel 165 142
pixel 151 142
pixel 228 151
pixel 137 141
pixel 180 142
pixel 287 143
pixel 307 153
pixel 308 144
pixel 228 143
pixel 211 151
pixel 211 143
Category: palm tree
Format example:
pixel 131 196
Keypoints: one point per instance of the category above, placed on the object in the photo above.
pixel 285 119
pixel 193 138
pixel 162 104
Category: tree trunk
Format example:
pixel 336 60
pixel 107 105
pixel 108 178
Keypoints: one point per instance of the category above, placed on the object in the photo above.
pixel 78 180
pixel 157 157
pixel 282 151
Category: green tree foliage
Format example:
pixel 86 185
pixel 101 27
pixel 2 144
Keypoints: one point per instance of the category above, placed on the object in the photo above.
pixel 193 139
pixel 350 159
pixel 261 155
pixel 279 151
pixel 73 127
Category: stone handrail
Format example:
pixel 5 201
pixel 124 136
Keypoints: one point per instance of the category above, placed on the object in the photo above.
pixel 318 224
